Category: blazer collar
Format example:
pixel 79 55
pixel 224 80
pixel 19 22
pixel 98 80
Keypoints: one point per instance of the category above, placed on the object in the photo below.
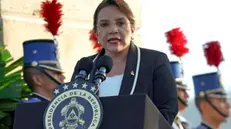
pixel 130 69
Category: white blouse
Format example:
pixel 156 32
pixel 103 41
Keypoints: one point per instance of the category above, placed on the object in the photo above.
pixel 110 86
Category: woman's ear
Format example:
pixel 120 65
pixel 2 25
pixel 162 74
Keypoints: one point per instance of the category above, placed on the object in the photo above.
pixel 97 36
pixel 132 29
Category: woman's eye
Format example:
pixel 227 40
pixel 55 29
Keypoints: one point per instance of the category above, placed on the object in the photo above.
pixel 120 23
pixel 104 24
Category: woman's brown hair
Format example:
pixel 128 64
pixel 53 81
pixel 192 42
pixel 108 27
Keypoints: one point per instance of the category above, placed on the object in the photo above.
pixel 123 7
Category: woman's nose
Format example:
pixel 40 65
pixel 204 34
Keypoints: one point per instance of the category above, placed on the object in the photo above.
pixel 113 29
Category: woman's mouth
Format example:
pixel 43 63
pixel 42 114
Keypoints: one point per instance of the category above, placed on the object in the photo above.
pixel 114 40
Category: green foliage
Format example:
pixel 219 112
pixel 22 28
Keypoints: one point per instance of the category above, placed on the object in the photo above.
pixel 12 87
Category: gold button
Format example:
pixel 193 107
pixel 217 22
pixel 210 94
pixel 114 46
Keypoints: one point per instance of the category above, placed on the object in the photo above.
pixel 132 73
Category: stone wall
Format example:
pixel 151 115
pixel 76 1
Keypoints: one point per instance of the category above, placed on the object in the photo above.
pixel 22 22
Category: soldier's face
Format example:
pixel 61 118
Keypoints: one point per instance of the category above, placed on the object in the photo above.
pixel 182 93
pixel 222 105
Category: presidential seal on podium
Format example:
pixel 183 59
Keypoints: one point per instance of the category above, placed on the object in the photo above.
pixel 75 106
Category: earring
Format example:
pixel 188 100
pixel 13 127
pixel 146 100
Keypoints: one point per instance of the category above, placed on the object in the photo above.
pixel 132 39
pixel 98 41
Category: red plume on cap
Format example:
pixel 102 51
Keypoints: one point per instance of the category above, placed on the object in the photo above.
pixel 213 54
pixel 51 13
pixel 177 41
pixel 96 46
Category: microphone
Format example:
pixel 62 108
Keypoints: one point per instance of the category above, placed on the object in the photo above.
pixel 83 68
pixel 103 67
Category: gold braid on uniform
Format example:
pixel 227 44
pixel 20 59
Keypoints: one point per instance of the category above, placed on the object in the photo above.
pixel 178 123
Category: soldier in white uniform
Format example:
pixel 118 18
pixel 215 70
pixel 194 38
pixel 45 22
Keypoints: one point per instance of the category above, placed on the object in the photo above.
pixel 180 122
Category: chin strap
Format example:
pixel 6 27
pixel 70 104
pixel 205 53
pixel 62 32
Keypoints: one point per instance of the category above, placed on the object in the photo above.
pixel 49 76
pixel 182 101
pixel 214 107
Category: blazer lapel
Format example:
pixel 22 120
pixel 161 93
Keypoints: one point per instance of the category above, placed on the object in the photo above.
pixel 130 70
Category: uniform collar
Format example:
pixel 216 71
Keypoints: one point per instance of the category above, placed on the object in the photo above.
pixel 40 96
pixel 207 125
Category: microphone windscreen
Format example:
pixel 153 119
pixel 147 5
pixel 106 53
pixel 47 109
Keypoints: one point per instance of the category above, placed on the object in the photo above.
pixel 84 64
pixel 105 61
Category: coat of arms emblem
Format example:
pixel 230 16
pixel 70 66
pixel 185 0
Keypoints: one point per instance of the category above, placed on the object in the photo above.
pixel 75 106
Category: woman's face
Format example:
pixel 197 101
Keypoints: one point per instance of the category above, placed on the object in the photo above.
pixel 114 30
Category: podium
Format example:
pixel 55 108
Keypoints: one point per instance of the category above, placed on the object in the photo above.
pixel 119 112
